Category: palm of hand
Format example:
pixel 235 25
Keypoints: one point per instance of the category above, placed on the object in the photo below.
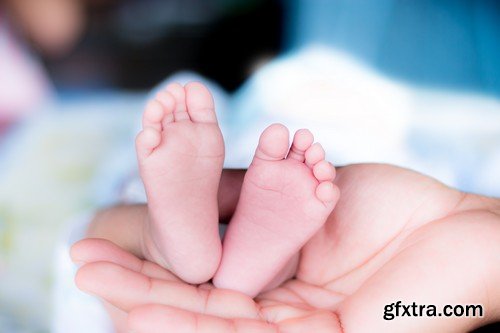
pixel 394 236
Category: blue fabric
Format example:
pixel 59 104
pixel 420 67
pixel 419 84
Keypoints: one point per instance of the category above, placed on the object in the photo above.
pixel 445 43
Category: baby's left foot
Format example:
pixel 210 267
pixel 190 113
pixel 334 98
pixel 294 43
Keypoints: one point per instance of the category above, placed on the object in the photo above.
pixel 287 195
pixel 180 153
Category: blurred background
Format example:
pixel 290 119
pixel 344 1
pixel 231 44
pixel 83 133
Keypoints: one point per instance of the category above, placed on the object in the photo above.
pixel 410 82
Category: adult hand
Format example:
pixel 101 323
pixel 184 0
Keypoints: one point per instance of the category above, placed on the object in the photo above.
pixel 395 235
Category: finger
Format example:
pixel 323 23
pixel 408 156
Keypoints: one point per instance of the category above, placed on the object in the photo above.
pixel 161 318
pixel 109 281
pixel 95 250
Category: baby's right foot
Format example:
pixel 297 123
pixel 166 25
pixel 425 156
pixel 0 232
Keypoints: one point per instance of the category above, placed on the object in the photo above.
pixel 181 153
pixel 287 195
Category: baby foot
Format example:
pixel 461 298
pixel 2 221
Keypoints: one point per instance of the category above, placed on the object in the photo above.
pixel 181 153
pixel 287 195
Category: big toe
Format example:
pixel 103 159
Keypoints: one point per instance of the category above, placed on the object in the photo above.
pixel 273 143
pixel 200 103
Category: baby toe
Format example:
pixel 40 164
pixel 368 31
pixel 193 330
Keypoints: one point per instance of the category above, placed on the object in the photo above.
pixel 179 94
pixel 327 192
pixel 314 154
pixel 324 171
pixel 168 102
pixel 153 114
pixel 146 141
pixel 302 140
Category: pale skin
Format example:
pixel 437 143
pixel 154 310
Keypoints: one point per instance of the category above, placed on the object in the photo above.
pixel 284 198
pixel 286 195
pixel 394 235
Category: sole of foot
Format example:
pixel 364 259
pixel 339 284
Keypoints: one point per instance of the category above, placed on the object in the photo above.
pixel 180 151
pixel 287 196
